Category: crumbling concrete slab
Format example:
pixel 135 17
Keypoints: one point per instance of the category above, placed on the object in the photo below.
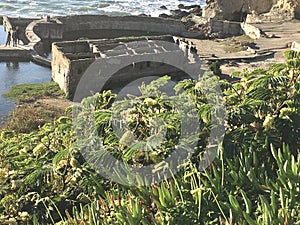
pixel 251 31
pixel 295 46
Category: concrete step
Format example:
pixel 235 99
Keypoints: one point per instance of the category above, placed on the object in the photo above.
pixel 22 53
pixel 41 60
pixel 9 53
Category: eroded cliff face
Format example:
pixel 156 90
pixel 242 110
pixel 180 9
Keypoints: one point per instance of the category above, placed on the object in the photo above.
pixel 289 8
pixel 236 10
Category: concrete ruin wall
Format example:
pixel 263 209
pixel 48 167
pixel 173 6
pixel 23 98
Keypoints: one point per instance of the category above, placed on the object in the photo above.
pixel 40 33
pixel 22 23
pixel 71 59
pixel 9 54
pixel 129 23
pixel 295 46
pixel 139 70
pixel 49 30
pixel 226 28
pixel 67 66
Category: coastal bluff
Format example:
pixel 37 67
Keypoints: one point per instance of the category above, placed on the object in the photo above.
pixel 266 10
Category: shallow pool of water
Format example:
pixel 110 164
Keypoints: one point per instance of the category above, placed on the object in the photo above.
pixel 13 73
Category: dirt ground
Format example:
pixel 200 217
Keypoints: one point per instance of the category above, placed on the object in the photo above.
pixel 57 104
pixel 278 39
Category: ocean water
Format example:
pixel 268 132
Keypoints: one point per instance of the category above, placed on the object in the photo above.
pixel 37 8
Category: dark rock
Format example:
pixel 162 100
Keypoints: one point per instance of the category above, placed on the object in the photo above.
pixel 178 14
pixel 288 45
pixel 193 49
pixel 188 7
pixel 163 7
pixel 143 14
pixel 232 63
pixel 196 11
pixel 176 11
pixel 248 44
pixel 189 23
pixel 163 15
pixel 180 6
pixel 273 36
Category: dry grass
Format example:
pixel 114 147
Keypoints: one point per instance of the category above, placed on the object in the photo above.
pixel 236 44
pixel 32 110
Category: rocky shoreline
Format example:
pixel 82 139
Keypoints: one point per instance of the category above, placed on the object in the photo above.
pixel 251 12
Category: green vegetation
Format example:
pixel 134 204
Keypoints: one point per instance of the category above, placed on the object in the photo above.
pixel 255 179
pixel 30 114
pixel 215 68
pixel 27 118
pixel 29 92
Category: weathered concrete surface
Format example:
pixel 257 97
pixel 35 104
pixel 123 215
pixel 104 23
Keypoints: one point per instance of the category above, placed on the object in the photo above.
pixel 225 27
pixel 14 54
pixel 251 31
pixel 42 61
pixel 75 57
pixel 118 26
pixel 22 23
pixel 67 69
pixel 6 23
pixel 295 46
pixel 35 42
pixel 140 57
pixel 40 33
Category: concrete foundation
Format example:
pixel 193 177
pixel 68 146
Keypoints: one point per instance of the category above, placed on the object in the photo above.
pixel 120 61
pixel 225 27
pixel 13 54
pixel 251 31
